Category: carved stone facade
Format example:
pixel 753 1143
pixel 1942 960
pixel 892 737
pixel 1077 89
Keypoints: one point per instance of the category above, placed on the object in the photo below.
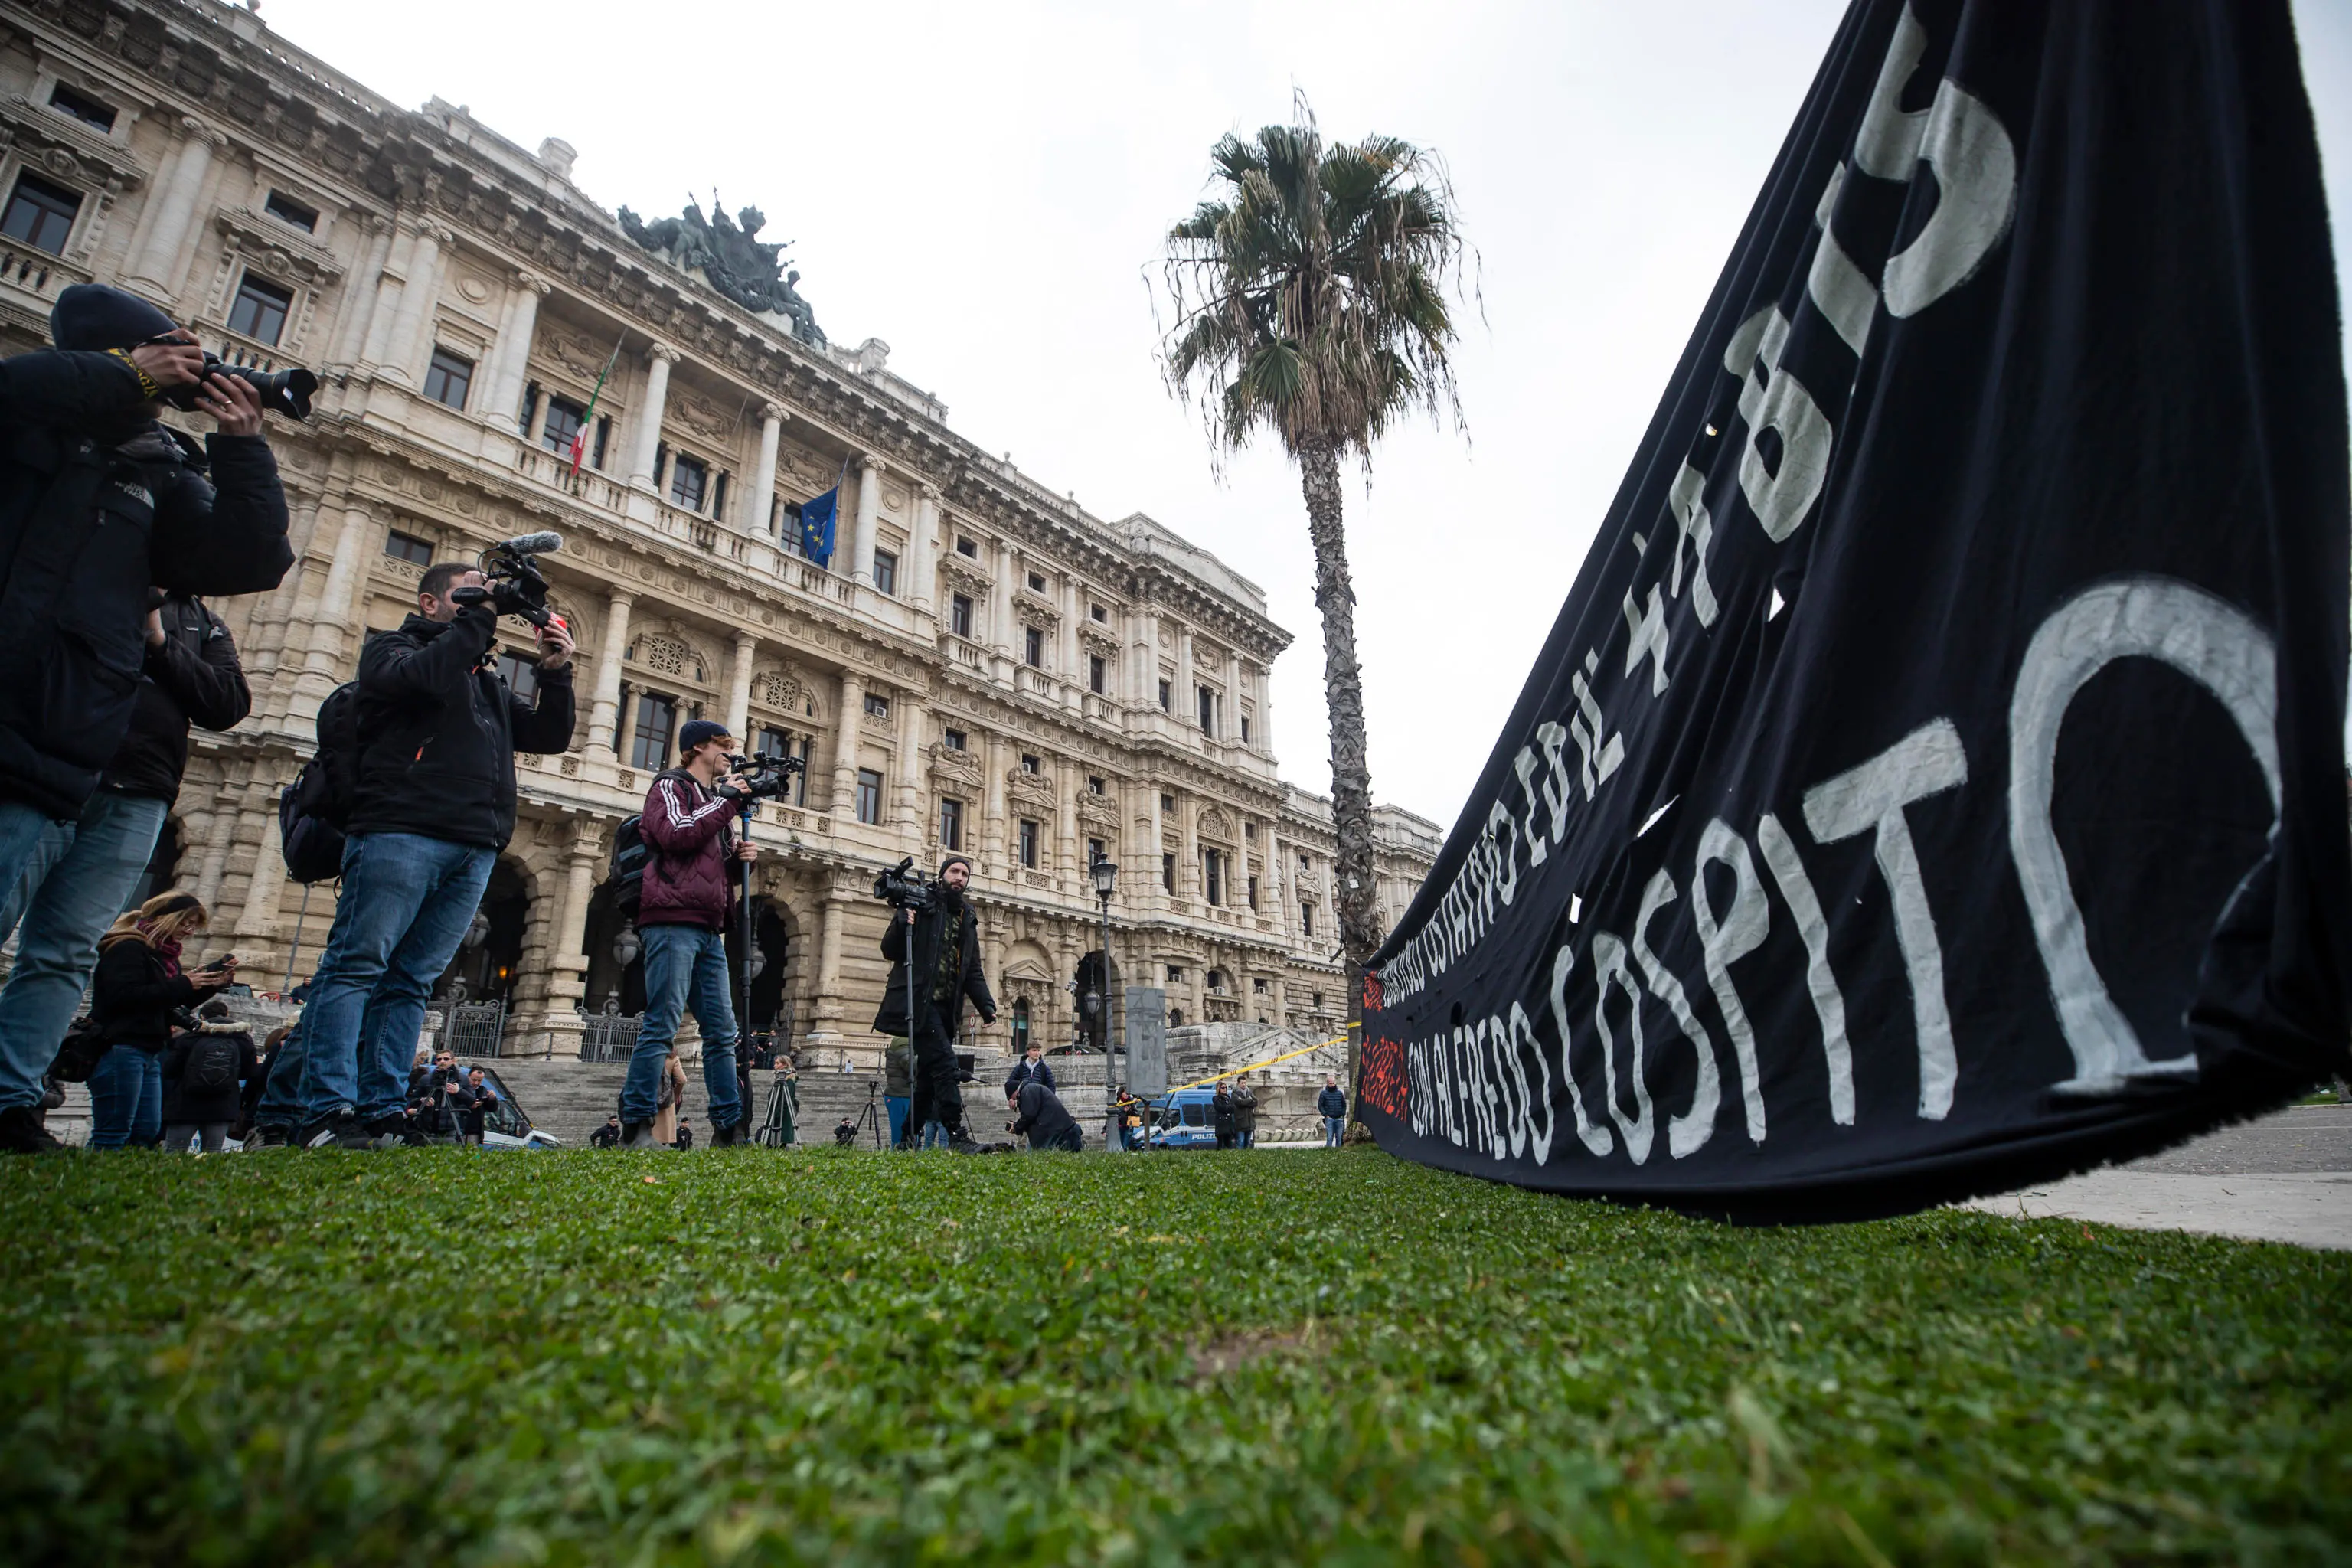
pixel 985 662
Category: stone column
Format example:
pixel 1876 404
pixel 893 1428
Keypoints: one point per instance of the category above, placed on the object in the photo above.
pixel 1188 859
pixel 844 748
pixel 991 823
pixel 155 270
pixel 738 688
pixel 605 706
pixel 1001 628
pixel 1185 696
pixel 1266 712
pixel 266 886
pixel 914 722
pixel 412 329
pixel 376 347
pixel 567 986
pixel 869 512
pixel 330 631
pixel 1143 663
pixel 1069 866
pixel 1154 832
pixel 1231 729
pixel 831 1006
pixel 759 497
pixel 922 548
pixel 362 289
pixel 513 352
pixel 661 356
pixel 219 836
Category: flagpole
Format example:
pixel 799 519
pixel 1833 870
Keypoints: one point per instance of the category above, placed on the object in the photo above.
pixel 580 439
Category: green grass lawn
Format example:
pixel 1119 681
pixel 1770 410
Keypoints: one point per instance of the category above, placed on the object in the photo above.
pixel 437 1356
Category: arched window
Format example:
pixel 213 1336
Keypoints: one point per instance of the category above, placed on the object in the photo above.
pixel 1175 1017
pixel 1019 1024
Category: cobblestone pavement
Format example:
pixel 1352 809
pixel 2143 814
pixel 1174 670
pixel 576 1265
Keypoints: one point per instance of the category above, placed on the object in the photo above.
pixel 2284 1177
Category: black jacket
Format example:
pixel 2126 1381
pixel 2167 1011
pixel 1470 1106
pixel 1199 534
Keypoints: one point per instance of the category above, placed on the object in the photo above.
pixel 97 504
pixel 1044 1118
pixel 1331 1103
pixel 194 678
pixel 183 1101
pixel 970 984
pixel 1022 1072
pixel 440 731
pixel 132 998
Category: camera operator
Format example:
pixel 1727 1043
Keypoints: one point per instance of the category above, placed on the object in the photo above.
pixel 945 940
pixel 99 504
pixel 434 803
pixel 690 825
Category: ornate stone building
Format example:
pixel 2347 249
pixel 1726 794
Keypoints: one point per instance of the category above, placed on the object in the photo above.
pixel 986 665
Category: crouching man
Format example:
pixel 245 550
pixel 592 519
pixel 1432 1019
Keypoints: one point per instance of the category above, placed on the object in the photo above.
pixel 1041 1115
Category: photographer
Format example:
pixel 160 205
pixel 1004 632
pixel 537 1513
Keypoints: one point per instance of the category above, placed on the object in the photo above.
pixel 1043 1117
pixel 945 940
pixel 433 806
pixel 99 504
pixel 689 829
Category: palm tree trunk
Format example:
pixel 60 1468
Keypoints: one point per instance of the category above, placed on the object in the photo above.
pixel 1343 690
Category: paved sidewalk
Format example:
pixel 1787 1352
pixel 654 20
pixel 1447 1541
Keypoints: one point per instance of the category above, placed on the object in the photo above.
pixel 2285 1177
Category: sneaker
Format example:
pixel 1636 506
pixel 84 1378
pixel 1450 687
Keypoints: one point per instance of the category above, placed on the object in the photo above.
pixel 336 1130
pixel 22 1133
pixel 734 1136
pixel 637 1135
pixel 270 1137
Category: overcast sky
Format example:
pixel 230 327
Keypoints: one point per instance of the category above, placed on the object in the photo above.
pixel 983 188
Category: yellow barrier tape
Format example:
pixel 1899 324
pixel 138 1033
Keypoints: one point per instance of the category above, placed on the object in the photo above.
pixel 1236 1072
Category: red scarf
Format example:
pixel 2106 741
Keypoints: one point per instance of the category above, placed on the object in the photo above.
pixel 166 947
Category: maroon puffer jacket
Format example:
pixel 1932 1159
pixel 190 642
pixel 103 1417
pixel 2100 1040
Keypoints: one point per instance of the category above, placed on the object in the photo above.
pixel 686 827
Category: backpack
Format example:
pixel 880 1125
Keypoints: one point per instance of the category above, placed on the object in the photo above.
pixel 314 810
pixel 79 1053
pixel 210 1065
pixel 631 854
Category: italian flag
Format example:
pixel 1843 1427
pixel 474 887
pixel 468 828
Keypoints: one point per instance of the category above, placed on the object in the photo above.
pixel 580 436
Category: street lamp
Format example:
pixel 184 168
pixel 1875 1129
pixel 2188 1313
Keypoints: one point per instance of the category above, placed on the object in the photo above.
pixel 1105 875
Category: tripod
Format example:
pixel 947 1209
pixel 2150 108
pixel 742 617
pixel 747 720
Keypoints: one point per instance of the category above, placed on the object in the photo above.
pixel 870 1118
pixel 743 1014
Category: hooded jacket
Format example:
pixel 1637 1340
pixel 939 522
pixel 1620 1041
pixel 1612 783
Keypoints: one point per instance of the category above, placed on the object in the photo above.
pixel 97 503
pixel 185 1103
pixel 690 832
pixel 193 677
pixel 440 731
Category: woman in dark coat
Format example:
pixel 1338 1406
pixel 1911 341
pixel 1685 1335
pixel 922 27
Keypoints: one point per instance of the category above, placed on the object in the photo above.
pixel 201 1073
pixel 137 986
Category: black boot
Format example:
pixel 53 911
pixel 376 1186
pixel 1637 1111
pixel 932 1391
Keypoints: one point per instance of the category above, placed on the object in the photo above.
pixel 22 1132
pixel 637 1135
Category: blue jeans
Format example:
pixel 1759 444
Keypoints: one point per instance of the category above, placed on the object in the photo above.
pixel 126 1098
pixel 686 966
pixel 897 1105
pixel 406 904
pixel 67 888
pixel 1334 1129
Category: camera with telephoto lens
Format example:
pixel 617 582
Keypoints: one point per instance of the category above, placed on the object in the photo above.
pixel 516 587
pixel 286 392
pixel 764 777
pixel 903 887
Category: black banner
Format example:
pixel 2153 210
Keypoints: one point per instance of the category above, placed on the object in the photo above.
pixel 1934 781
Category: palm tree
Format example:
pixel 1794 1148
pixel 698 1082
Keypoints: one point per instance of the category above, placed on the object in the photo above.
pixel 1309 292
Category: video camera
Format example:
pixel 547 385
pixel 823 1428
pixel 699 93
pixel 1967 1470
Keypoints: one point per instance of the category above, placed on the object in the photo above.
pixel 516 587
pixel 764 777
pixel 286 392
pixel 903 887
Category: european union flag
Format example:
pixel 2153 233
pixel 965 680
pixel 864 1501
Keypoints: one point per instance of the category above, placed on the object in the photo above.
pixel 817 519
